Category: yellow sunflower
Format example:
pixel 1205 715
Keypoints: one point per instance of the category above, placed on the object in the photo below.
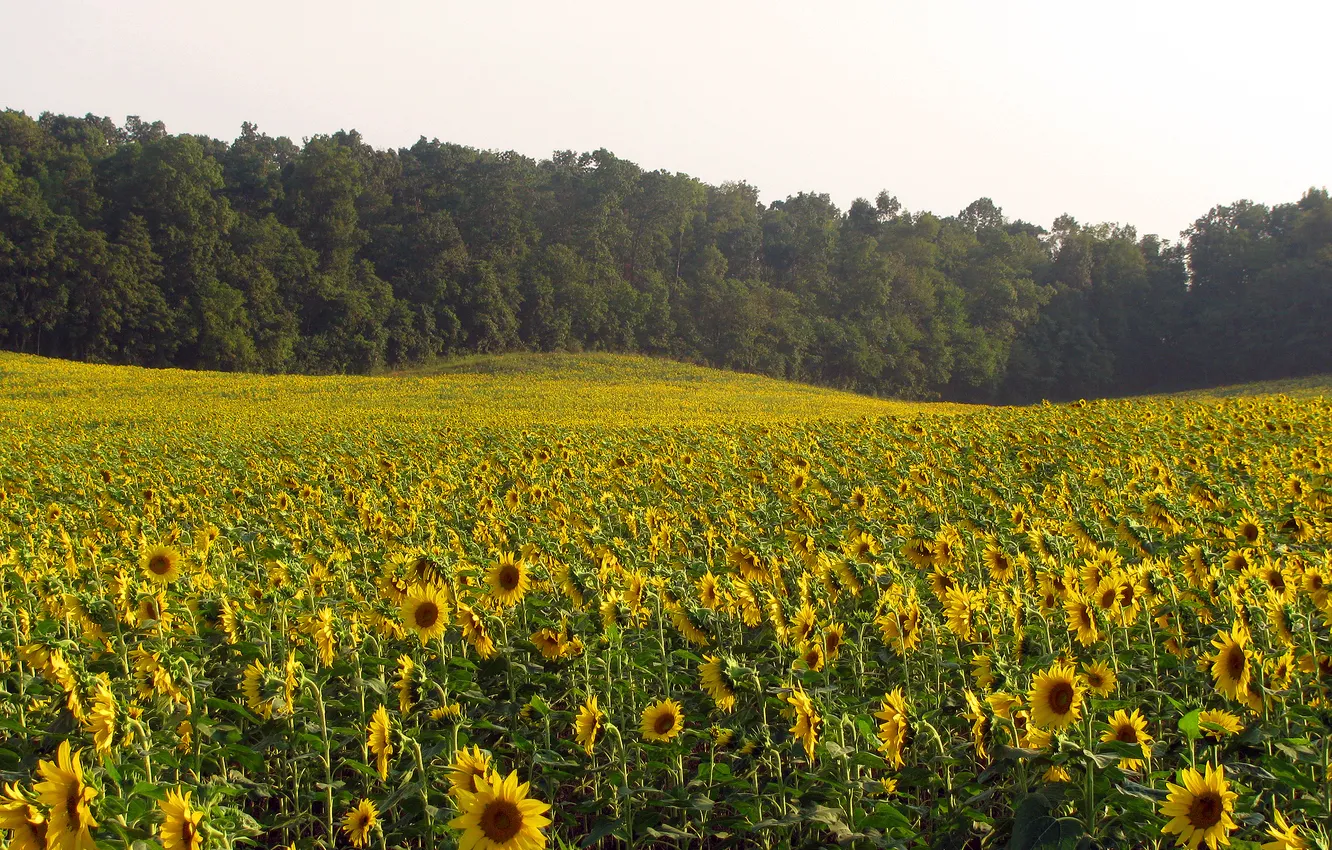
pixel 380 734
pixel 1056 697
pixel 1100 678
pixel 1199 810
pixel 469 770
pixel 500 816
pixel 1218 724
pixel 717 683
pixel 26 825
pixel 1230 665
pixel 101 720
pixel 161 564
pixel 180 822
pixel 662 720
pixel 69 800
pixel 359 822
pixel 587 725
pixel 509 579
pixel 425 612
pixel 1285 836
pixel 807 721
pixel 1129 729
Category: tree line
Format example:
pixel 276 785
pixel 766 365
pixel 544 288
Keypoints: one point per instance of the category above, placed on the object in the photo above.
pixel 127 244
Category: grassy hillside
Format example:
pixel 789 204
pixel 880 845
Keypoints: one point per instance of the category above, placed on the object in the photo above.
pixel 507 390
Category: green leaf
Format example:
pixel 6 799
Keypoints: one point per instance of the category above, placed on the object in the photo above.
pixel 1188 724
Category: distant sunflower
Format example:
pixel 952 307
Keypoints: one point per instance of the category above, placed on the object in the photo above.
pixel 380 740
pixel 500 816
pixel 587 725
pixel 469 770
pixel 1199 809
pixel 161 564
pixel 359 822
pixel 508 579
pixel 180 822
pixel 406 684
pixel 425 612
pixel 1056 697
pixel 69 801
pixel 1081 619
pixel 662 721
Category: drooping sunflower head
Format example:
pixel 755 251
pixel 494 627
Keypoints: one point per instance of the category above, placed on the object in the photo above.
pixel 1056 697
pixel 25 822
pixel 662 721
pixel 717 682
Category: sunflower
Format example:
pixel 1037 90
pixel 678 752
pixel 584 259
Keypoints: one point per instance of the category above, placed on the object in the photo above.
pixel 500 816
pixel 69 800
pixel 980 725
pixel 1219 724
pixel 662 720
pixel 709 592
pixel 379 732
pixel 999 563
pixel 161 564
pixel 358 823
pixel 1199 809
pixel 807 721
pixel 893 730
pixel 474 631
pixel 587 725
pixel 833 638
pixel 1285 836
pixel 509 579
pixel 180 822
pixel 1081 619
pixel 470 769
pixel 1056 697
pixel 813 657
pixel 101 720
pixel 982 670
pixel 425 612
pixel 1100 678
pixel 406 684
pixel 1230 665
pixel 1129 729
pixel 26 825
pixel 717 682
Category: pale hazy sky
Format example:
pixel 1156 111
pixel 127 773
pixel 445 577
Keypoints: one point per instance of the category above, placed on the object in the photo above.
pixel 1147 113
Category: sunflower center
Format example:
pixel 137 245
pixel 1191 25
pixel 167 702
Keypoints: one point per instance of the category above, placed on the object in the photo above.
pixel 1061 698
pixel 1250 532
pixel 1276 581
pixel 508 577
pixel 159 565
pixel 1235 662
pixel 665 722
pixel 427 614
pixel 1127 733
pixel 1096 680
pixel 1205 811
pixel 1108 598
pixel 501 821
pixel 187 833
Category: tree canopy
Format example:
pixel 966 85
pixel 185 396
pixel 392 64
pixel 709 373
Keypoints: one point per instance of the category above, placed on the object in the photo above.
pixel 127 244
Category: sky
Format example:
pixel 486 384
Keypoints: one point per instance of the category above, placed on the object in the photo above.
pixel 1142 113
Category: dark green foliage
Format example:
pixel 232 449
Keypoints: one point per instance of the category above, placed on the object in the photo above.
pixel 131 245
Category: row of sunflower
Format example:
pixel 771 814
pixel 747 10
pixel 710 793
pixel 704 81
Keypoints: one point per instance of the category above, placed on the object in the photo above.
pixel 1105 622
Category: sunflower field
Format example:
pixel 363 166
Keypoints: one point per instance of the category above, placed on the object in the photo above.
pixel 627 604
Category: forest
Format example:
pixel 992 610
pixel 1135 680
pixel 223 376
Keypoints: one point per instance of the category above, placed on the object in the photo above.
pixel 130 245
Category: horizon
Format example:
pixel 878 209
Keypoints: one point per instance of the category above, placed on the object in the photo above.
pixel 1124 131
